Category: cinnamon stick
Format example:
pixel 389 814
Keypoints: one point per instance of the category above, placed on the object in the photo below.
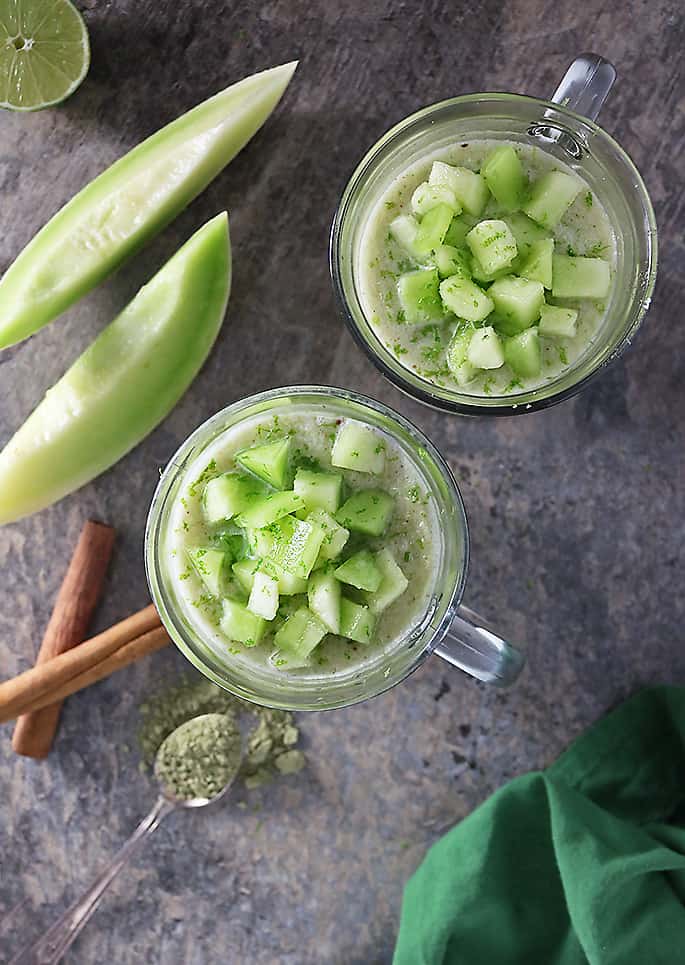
pixel 138 647
pixel 74 607
pixel 46 678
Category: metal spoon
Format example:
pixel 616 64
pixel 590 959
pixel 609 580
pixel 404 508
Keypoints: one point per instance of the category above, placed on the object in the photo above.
pixel 50 948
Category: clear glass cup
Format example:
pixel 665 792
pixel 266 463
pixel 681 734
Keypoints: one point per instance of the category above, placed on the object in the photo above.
pixel 564 128
pixel 447 627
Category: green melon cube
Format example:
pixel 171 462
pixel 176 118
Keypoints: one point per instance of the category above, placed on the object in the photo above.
pixel 229 494
pixel 461 296
pixel 483 277
pixel 428 196
pixel 267 509
pixel 238 623
pixel 270 462
pixel 419 296
pixel 469 188
pixel 517 301
pixel 557 322
pixel 574 277
pixel 457 362
pixel 433 228
pixel 550 197
pixel 288 583
pixel 324 594
pixel 492 244
pixel 367 511
pixel 335 536
pixel 319 490
pixel 301 633
pixel 358 447
pixel 404 230
pixel 244 571
pixel 525 231
pixel 360 570
pixel 523 355
pixel 356 622
pixel 504 177
pixel 210 565
pixel 485 349
pixel 537 266
pixel 263 596
pixel 392 586
pixel 458 230
pixel 296 545
pixel 452 261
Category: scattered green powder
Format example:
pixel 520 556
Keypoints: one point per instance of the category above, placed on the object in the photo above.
pixel 199 758
pixel 274 734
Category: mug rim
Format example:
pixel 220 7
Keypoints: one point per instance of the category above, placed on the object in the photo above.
pixel 153 565
pixel 509 406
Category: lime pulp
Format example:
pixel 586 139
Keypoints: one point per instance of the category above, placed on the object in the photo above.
pixel 44 53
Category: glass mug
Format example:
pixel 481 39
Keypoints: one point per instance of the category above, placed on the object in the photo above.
pixel 564 128
pixel 447 627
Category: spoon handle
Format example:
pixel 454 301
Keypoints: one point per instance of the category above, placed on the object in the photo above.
pixel 50 948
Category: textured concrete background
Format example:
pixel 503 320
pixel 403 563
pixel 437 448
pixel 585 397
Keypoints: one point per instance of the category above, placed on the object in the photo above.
pixel 577 513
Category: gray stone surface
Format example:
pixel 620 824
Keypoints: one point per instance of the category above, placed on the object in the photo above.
pixel 576 513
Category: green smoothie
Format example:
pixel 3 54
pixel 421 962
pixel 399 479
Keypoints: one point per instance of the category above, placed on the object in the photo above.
pixel 303 542
pixel 487 268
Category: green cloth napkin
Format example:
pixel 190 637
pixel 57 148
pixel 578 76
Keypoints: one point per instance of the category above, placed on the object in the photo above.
pixel 583 862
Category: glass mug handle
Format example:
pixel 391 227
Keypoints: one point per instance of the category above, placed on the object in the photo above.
pixel 472 646
pixel 583 89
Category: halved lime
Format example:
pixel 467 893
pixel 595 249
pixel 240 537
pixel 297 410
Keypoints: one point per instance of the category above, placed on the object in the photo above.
pixel 44 53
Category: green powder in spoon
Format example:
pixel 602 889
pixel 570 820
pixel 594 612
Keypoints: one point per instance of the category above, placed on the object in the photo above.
pixel 199 758
pixel 272 738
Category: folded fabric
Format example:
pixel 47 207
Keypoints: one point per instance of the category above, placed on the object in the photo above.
pixel 583 862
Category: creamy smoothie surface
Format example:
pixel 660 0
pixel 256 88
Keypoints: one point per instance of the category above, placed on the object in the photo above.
pixel 303 542
pixel 489 272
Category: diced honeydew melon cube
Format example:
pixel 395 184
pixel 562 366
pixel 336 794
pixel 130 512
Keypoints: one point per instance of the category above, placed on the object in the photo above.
pixel 239 624
pixel 360 570
pixel 260 542
pixel 429 196
pixel 457 363
pixel 458 230
pixel 483 277
pixel 367 511
pixel 319 490
pixel 469 188
pixel 210 566
pixel 419 295
pixel 404 229
pixel 244 571
pixel 504 177
pixel 301 633
pixel 537 266
pixel 392 586
pixel 492 244
pixel 335 535
pixel 356 622
pixel 270 462
pixel 550 198
pixel 229 494
pixel 557 322
pixel 461 296
pixel 451 261
pixel 288 583
pixel 263 596
pixel 324 594
pixel 579 277
pixel 358 447
pixel 267 509
pixel 517 301
pixel 523 354
pixel 525 231
pixel 433 229
pixel 296 545
pixel 485 349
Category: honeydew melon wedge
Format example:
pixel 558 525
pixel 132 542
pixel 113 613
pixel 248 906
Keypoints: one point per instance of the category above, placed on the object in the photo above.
pixel 114 215
pixel 125 382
